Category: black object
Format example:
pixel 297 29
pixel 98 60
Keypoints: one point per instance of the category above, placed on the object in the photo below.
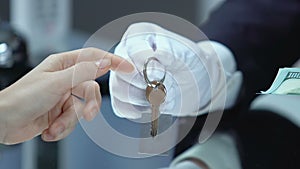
pixel 13 55
pixel 268 140
pixel 13 51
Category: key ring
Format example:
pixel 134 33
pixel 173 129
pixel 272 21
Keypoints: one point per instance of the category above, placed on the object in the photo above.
pixel 145 71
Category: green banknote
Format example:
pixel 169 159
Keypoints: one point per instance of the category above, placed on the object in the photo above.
pixel 287 81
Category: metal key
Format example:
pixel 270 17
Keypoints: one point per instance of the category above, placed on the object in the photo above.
pixel 155 94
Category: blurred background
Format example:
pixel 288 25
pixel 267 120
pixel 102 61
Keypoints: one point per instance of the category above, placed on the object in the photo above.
pixel 30 30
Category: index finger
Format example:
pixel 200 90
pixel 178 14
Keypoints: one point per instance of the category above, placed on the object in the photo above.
pixel 74 67
pixel 61 61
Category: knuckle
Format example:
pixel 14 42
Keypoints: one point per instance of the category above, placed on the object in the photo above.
pixel 89 51
pixel 95 84
pixel 52 55
pixel 92 48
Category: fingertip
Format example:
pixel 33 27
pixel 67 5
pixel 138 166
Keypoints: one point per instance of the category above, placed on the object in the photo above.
pixel 125 67
pixel 89 115
pixel 120 64
pixel 47 136
pixel 53 132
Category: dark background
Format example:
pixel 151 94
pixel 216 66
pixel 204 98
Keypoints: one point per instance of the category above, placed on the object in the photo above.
pixel 84 12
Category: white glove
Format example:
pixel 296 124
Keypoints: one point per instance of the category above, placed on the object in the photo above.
pixel 193 76
pixel 234 78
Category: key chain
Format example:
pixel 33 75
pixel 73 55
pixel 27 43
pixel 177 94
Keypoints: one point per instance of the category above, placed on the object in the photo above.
pixel 155 94
pixel 145 70
pixel 154 141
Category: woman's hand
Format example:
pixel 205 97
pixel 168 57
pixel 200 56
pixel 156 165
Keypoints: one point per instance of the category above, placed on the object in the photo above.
pixel 42 101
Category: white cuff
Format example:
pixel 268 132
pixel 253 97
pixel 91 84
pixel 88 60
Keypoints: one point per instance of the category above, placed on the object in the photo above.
pixel 218 152
pixel 286 106
pixel 184 165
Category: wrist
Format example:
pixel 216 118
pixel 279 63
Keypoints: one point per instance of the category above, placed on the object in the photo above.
pixel 6 114
pixel 3 116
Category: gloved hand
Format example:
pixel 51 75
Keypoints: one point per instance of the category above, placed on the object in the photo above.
pixel 193 77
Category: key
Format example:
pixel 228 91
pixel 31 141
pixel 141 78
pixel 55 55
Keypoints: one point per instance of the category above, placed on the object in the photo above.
pixel 155 94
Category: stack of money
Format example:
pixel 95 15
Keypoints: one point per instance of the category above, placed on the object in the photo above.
pixel 286 82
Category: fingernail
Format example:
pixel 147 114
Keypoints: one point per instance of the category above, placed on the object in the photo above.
pixel 60 129
pixel 48 136
pixel 93 113
pixel 103 63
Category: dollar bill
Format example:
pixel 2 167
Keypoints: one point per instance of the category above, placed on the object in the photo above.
pixel 287 81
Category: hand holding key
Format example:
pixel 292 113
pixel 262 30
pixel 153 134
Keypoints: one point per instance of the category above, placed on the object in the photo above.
pixel 186 65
